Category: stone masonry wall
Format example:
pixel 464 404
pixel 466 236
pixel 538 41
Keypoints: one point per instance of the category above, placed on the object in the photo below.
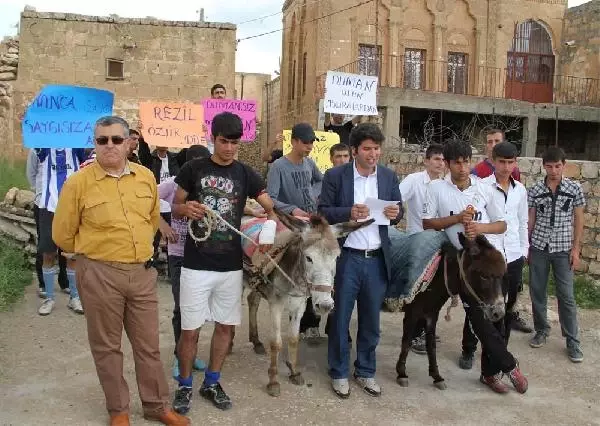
pixel 580 47
pixel 9 60
pixel 585 172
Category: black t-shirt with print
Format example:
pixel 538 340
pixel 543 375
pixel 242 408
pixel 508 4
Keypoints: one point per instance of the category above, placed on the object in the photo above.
pixel 343 131
pixel 224 189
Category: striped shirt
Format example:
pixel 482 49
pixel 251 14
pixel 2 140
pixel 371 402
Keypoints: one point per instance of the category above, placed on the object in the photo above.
pixel 554 214
pixel 56 166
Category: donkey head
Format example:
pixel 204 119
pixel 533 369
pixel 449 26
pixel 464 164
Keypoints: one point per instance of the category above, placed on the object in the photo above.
pixel 315 252
pixel 483 270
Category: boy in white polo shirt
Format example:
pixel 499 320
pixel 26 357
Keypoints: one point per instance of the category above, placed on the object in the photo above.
pixel 448 206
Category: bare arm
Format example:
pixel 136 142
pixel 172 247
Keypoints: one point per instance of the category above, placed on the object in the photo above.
pixel 267 204
pixel 578 225
pixel 441 223
pixel 531 221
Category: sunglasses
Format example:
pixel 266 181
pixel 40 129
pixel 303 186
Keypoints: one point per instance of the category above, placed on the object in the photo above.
pixel 116 140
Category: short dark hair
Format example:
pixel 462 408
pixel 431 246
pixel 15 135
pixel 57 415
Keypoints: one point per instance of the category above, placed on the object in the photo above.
pixel 495 130
pixel 196 151
pixel 455 149
pixel 227 125
pixel 215 87
pixel 554 154
pixel 505 150
pixel 363 131
pixel 133 132
pixel 337 148
pixel 434 149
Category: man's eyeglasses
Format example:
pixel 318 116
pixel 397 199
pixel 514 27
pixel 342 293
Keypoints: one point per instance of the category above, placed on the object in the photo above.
pixel 116 140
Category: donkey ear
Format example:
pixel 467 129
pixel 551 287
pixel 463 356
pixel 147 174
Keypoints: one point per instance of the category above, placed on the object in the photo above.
pixel 294 224
pixel 341 230
pixel 470 246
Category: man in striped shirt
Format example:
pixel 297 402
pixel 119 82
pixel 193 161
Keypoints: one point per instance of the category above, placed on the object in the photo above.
pixel 56 166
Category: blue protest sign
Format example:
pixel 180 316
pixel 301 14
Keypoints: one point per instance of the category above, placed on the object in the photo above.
pixel 64 116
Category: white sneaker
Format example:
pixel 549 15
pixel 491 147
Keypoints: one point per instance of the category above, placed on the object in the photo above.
pixel 75 305
pixel 341 387
pixel 46 307
pixel 369 385
pixel 66 290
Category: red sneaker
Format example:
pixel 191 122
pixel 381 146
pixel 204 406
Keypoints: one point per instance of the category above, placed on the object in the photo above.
pixel 494 383
pixel 518 380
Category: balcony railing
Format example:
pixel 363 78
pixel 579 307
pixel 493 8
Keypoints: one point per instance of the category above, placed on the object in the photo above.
pixel 532 85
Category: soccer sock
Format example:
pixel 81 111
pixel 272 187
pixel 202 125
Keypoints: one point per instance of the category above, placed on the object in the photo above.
pixel 72 283
pixel 49 275
pixel 211 377
pixel 186 383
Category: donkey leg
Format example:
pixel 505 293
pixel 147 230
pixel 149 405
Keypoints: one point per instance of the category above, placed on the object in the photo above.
pixel 297 305
pixel 253 303
pixel 409 325
pixel 434 372
pixel 276 308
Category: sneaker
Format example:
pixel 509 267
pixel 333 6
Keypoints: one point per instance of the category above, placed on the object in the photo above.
pixel 183 399
pixel 341 387
pixel 538 340
pixel 418 345
pixel 199 365
pixel 519 324
pixel 41 293
pixel 495 383
pixel 518 380
pixel 66 290
pixel 216 395
pixel 574 353
pixel 75 305
pixel 466 361
pixel 369 385
pixel 46 307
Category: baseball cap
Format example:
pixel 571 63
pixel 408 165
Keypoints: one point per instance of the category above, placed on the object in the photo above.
pixel 304 132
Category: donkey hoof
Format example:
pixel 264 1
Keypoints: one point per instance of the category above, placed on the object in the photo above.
pixel 274 389
pixel 259 349
pixel 441 385
pixel 297 379
pixel 402 381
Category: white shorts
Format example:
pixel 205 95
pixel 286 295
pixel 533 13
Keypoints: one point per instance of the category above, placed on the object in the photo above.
pixel 210 296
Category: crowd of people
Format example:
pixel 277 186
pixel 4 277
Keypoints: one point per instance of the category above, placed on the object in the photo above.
pixel 100 217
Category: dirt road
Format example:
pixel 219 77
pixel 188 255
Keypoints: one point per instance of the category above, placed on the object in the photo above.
pixel 47 377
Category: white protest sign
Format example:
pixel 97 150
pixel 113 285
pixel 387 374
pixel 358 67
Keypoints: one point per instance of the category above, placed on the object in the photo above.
pixel 350 94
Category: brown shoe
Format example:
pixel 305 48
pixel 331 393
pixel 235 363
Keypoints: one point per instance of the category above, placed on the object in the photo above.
pixel 121 419
pixel 169 418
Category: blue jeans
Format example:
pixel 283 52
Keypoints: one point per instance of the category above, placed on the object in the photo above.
pixel 363 281
pixel 539 269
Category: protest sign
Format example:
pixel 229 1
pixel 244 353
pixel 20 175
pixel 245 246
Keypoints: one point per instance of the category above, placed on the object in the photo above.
pixel 350 94
pixel 244 109
pixel 64 116
pixel 172 124
pixel 320 151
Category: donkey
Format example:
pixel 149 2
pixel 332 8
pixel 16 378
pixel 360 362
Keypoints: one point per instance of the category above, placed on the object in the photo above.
pixel 477 270
pixel 308 264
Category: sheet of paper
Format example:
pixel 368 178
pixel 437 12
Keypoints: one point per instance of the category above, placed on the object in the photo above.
pixel 376 210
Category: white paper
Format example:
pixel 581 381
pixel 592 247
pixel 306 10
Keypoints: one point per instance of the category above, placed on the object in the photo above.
pixel 350 94
pixel 376 208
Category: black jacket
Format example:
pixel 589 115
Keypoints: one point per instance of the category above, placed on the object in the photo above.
pixel 153 162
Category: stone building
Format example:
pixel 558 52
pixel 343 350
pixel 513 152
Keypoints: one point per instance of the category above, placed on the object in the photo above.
pixel 137 59
pixel 454 67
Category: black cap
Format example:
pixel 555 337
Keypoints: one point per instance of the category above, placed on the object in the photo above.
pixel 304 132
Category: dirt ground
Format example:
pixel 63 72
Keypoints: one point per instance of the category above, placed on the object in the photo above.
pixel 47 377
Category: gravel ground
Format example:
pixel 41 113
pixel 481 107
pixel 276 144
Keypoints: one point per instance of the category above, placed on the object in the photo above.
pixel 47 377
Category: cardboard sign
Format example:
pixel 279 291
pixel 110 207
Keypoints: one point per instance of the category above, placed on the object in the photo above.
pixel 172 124
pixel 320 151
pixel 244 109
pixel 350 94
pixel 65 116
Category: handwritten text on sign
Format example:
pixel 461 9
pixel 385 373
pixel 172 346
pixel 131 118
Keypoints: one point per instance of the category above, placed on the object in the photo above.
pixel 244 109
pixel 172 124
pixel 64 116
pixel 351 94
pixel 320 151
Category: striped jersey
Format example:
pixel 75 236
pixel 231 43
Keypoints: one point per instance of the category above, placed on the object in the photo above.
pixel 56 166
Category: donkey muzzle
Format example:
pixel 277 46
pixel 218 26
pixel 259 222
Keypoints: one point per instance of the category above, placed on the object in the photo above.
pixel 495 312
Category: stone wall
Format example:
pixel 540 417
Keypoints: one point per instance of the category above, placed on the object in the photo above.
pixel 580 47
pixel 586 172
pixel 17 225
pixel 162 60
pixel 9 60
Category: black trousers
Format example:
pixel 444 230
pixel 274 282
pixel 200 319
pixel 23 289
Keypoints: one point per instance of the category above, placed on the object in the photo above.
pixel 63 281
pixel 514 282
pixel 175 264
pixel 157 237
pixel 310 319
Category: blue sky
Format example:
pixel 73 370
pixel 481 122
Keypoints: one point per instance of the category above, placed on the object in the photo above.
pixel 256 55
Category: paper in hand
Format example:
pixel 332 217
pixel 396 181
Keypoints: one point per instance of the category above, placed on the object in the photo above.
pixel 376 208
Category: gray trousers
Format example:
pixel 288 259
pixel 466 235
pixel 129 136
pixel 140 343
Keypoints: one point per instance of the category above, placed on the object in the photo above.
pixel 539 270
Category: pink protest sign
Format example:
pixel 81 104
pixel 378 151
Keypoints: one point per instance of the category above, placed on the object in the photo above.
pixel 245 109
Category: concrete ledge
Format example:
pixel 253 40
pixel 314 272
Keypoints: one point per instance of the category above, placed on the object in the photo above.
pixel 131 21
